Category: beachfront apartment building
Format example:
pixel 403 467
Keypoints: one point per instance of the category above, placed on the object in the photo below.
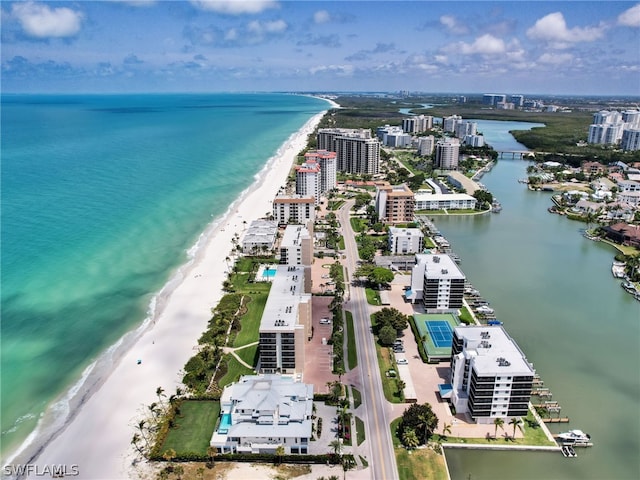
pixel 490 376
pixel 328 168
pixel 403 241
pixel 298 209
pixel 259 413
pixel 285 325
pixel 308 179
pixel 447 153
pixel 426 200
pixel 437 282
pixel 394 204
pixel 356 151
pixel 296 247
pixel 417 124
pixel 259 237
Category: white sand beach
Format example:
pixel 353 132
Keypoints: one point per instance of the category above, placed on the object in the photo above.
pixel 98 438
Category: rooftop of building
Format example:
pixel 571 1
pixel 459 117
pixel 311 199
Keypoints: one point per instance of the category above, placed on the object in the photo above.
pixel 416 232
pixel 493 350
pixel 286 294
pixel 294 199
pixel 439 266
pixel 293 234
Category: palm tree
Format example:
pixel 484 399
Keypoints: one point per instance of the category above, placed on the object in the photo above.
pixel 498 422
pixel 446 430
pixel 515 422
pixel 410 439
pixel 211 453
pixel 336 446
pixel 280 453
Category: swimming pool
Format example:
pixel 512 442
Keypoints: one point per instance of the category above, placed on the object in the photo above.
pixel 225 423
pixel 266 273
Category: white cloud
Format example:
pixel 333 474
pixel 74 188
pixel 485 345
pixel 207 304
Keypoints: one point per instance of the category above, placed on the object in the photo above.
pixel 453 25
pixel 321 16
pixel 235 7
pixel 41 21
pixel 553 28
pixel 486 44
pixel 338 70
pixel 631 17
pixel 259 28
pixel 555 58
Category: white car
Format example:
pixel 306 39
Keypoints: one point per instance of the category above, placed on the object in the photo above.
pixel 325 321
pixel 402 361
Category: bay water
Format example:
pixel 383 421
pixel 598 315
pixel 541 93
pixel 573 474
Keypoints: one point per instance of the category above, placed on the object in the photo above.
pixel 555 293
pixel 103 199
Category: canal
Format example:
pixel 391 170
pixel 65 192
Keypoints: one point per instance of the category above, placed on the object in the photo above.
pixel 555 293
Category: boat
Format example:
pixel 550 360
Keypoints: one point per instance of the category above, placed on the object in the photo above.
pixel 496 207
pixel 617 269
pixel 568 451
pixel 573 436
pixel 628 286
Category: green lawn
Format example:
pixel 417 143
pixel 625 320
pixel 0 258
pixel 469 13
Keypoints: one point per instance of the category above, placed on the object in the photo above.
pixel 234 371
pixel 249 354
pixel 360 430
pixel 357 397
pixel 351 343
pixel 373 296
pixel 389 385
pixel 193 427
pixel 250 321
pixel 465 316
pixel 419 464
pixel 358 224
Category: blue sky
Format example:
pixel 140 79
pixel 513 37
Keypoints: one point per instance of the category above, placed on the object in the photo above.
pixel 196 46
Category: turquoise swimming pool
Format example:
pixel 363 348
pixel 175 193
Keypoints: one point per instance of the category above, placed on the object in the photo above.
pixel 225 423
pixel 269 273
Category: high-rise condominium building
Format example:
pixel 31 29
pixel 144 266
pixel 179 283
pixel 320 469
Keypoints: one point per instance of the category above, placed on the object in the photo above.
pixel 356 151
pixel 328 163
pixel 308 180
pixel 490 376
pixel 447 152
pixel 395 204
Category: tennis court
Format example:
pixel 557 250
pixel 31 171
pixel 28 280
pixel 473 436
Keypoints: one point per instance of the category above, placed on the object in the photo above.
pixel 435 331
pixel 440 332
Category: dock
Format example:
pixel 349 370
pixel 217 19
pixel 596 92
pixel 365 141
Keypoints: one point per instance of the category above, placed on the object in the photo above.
pixel 556 420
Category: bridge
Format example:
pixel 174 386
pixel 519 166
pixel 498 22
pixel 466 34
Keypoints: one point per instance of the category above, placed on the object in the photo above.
pixel 521 154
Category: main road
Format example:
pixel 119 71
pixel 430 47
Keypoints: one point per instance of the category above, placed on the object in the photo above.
pixel 382 459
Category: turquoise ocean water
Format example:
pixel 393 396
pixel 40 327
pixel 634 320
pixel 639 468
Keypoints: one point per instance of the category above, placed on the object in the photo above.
pixel 102 199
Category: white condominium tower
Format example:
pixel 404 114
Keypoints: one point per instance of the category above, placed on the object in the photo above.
pixel 356 151
pixel 327 161
pixel 308 179
pixel 447 152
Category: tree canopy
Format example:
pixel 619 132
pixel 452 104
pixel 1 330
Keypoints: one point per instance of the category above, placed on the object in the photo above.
pixel 392 317
pixel 420 419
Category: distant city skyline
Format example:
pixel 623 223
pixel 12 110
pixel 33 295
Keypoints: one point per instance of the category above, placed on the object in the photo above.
pixel 543 47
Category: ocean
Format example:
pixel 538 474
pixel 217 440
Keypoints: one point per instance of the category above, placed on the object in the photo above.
pixel 103 198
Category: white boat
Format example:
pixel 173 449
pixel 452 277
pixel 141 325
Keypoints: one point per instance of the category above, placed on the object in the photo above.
pixel 574 436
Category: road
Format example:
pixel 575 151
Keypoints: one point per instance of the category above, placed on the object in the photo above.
pixel 382 460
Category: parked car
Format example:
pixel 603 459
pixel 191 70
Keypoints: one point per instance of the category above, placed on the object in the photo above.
pixel 325 321
pixel 402 361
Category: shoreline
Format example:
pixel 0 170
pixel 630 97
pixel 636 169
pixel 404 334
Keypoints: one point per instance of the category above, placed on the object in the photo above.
pixel 177 315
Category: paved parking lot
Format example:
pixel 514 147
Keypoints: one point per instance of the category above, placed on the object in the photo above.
pixel 318 360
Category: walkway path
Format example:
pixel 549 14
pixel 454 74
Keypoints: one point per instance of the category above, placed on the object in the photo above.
pixel 232 351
